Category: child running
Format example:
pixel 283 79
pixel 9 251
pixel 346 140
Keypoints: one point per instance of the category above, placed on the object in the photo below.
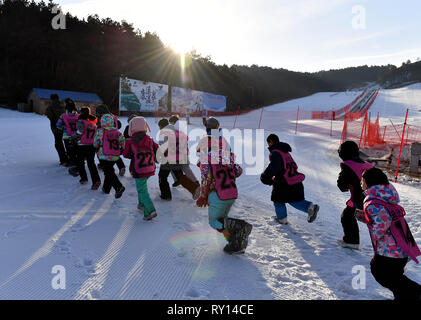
pixel 68 124
pixel 100 111
pixel 141 150
pixel 287 182
pixel 391 237
pixel 110 143
pixel 219 191
pixel 173 156
pixel 86 131
pixel 349 179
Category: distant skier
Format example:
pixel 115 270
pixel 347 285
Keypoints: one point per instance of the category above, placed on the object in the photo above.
pixel 349 179
pixel 68 124
pixel 110 143
pixel 86 131
pixel 390 235
pixel 287 183
pixel 219 191
pixel 141 150
pixel 53 113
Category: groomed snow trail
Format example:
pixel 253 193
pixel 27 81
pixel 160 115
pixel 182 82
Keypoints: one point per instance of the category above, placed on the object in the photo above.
pixel 109 252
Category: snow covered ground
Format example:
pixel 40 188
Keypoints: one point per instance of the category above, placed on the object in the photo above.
pixel 47 219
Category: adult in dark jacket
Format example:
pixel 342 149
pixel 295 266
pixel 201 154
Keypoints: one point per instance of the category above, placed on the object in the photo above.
pixel 99 112
pixel 349 179
pixel 282 192
pixel 53 113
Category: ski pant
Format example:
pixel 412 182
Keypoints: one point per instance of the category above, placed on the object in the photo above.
pixel 111 179
pixel 87 152
pixel 281 209
pixel 71 149
pixel 218 210
pixel 58 144
pixel 120 163
pixel 164 186
pixel 143 196
pixel 389 272
pixel 350 226
pixel 187 171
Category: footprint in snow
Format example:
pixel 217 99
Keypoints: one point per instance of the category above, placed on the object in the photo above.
pixel 16 230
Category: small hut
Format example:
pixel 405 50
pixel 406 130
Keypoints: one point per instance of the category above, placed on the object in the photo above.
pixel 39 99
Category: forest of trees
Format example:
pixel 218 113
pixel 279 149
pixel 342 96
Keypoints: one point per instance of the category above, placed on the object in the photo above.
pixel 90 55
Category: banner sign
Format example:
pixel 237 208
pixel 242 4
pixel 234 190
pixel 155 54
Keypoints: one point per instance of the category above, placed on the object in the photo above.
pixel 136 95
pixel 187 100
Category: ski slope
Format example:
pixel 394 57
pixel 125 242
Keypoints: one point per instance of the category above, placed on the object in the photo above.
pixel 392 104
pixel 47 219
pixel 321 101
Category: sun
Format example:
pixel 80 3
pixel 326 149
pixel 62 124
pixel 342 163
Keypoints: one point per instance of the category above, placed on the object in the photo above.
pixel 181 47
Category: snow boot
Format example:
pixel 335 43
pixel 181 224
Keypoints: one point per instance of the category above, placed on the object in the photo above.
pixel 176 184
pixel 197 192
pixel 353 246
pixel 281 221
pixel 239 231
pixel 82 181
pixel 312 212
pixel 140 208
pixel 74 171
pixel 165 198
pixel 119 193
pixel 96 185
pixel 150 217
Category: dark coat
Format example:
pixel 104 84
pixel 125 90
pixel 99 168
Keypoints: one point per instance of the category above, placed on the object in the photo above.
pixel 348 178
pixel 281 192
pixel 53 113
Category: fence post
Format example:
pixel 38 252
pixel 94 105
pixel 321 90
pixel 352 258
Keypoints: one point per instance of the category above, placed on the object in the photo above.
pixel 296 124
pixel 362 130
pixel 261 115
pixel 400 150
pixel 331 122
pixel 235 121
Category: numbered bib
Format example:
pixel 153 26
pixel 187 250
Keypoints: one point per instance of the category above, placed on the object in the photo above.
pixel 291 175
pixel 89 133
pixel 225 185
pixel 70 121
pixel 111 143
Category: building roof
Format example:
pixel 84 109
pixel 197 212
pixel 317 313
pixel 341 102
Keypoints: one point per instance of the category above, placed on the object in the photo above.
pixel 75 96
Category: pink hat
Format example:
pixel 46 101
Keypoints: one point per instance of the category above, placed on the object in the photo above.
pixel 138 124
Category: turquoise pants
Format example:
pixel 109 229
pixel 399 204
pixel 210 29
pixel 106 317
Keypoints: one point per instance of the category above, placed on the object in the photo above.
pixel 143 194
pixel 218 209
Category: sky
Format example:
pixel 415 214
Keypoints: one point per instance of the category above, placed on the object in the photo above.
pixel 300 35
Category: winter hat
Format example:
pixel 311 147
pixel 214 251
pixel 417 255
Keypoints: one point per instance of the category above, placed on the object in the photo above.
pixel 174 118
pixel 348 150
pixel 101 109
pixel 70 105
pixel 212 123
pixel 375 176
pixel 163 123
pixel 107 121
pixel 138 124
pixel 133 115
pixel 273 138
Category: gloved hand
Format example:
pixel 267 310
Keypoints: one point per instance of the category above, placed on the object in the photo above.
pixel 202 202
pixel 360 216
